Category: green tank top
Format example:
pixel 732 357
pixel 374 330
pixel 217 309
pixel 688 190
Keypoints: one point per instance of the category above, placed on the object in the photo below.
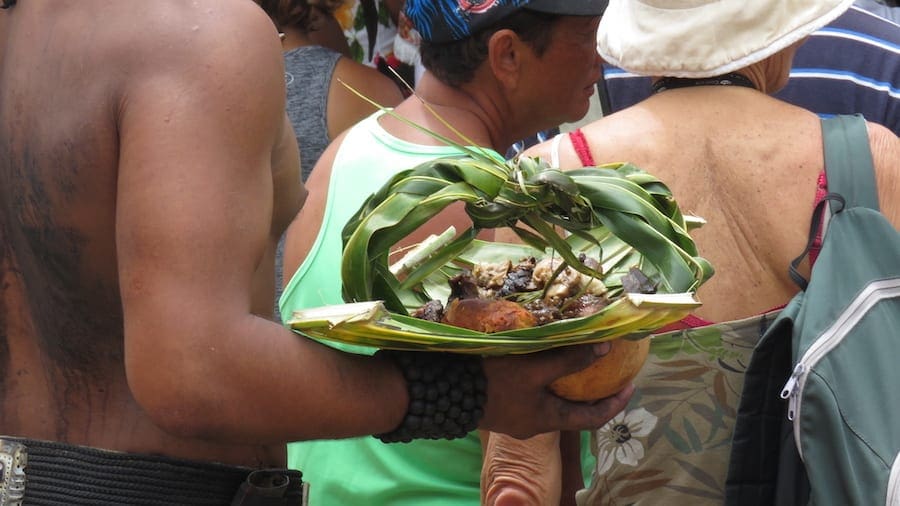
pixel 363 470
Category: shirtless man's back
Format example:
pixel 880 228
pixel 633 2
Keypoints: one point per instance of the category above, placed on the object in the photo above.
pixel 112 120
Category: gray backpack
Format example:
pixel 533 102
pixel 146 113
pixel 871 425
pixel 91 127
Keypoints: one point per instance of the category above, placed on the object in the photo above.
pixel 819 417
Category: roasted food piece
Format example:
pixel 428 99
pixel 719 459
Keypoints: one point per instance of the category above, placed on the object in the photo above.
pixel 584 228
pixel 557 291
pixel 560 281
pixel 548 289
pixel 433 311
pixel 487 315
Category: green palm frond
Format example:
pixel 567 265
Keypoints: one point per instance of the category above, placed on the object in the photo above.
pixel 615 200
pixel 617 213
pixel 371 324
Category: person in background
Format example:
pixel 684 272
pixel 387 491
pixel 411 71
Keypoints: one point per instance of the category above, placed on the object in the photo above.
pixel 140 203
pixel 887 9
pixel 406 46
pixel 752 166
pixel 319 103
pixel 851 65
pixel 371 28
pixel 326 30
pixel 497 72
pixel 406 50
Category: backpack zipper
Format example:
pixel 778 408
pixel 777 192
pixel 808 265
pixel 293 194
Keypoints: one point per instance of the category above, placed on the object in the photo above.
pixel 893 488
pixel 793 390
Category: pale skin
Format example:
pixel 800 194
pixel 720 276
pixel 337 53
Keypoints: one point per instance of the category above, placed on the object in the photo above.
pixel 149 171
pixel 745 162
pixel 515 93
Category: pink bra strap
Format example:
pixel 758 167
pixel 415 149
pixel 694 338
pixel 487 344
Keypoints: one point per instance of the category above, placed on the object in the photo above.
pixel 821 191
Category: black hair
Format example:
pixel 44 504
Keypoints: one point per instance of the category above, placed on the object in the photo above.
pixel 288 13
pixel 302 15
pixel 7 4
pixel 454 63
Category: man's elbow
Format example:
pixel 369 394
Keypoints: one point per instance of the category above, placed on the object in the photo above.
pixel 177 405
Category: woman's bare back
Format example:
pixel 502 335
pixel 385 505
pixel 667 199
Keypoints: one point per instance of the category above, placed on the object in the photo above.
pixel 746 163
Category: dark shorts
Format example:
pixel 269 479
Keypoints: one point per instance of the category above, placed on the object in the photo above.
pixel 57 473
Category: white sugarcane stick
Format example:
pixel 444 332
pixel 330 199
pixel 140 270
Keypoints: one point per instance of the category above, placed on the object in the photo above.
pixel 422 251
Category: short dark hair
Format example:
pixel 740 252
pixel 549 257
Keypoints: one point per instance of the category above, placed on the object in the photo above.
pixel 7 4
pixel 454 63
pixel 299 14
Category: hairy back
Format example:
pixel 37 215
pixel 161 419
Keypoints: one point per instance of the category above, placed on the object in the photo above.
pixel 75 77
pixel 57 194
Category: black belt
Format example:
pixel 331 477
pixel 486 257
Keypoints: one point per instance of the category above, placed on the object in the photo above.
pixel 44 473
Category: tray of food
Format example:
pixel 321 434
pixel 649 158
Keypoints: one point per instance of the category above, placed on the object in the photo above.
pixel 604 253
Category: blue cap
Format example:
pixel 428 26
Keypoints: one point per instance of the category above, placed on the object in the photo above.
pixel 441 21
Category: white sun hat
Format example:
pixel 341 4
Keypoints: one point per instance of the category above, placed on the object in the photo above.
pixel 705 38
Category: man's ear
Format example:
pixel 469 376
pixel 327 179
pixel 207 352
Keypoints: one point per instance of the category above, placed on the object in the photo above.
pixel 505 53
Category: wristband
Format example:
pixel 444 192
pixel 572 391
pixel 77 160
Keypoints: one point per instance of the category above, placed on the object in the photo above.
pixel 447 392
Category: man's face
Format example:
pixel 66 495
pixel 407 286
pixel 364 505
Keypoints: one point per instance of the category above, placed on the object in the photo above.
pixel 566 75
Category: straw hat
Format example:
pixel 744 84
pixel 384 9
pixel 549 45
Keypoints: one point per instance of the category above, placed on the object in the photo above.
pixel 705 38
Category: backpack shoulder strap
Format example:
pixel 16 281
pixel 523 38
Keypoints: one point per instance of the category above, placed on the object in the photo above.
pixel 848 160
pixel 851 178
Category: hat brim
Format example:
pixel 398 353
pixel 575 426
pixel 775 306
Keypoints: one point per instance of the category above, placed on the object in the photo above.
pixel 569 7
pixel 706 38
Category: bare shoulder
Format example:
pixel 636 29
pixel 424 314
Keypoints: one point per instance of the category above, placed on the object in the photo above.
pixel 885 146
pixel 370 82
pixel 212 65
pixel 203 33
pixel 614 138
pixel 345 108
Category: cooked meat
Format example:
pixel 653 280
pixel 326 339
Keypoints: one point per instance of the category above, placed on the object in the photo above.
pixel 543 312
pixel 502 296
pixel 488 315
pixel 567 283
pixel 584 305
pixel 490 276
pixel 433 311
pixel 636 282
pixel 519 278
pixel 463 286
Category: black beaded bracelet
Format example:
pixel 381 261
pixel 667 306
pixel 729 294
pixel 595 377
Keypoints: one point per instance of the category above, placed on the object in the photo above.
pixel 447 392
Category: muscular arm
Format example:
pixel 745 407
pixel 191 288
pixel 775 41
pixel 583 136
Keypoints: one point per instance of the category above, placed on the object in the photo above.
pixel 194 214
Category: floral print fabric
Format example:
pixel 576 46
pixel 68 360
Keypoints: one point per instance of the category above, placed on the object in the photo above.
pixel 672 444
pixel 352 19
